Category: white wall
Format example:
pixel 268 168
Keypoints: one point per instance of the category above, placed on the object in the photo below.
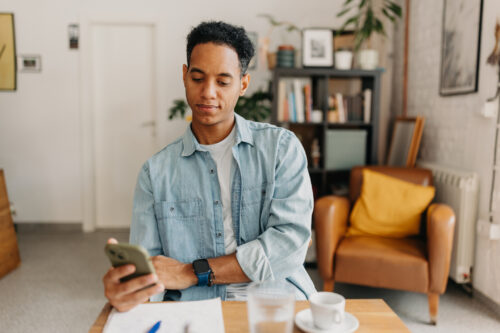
pixel 455 134
pixel 40 123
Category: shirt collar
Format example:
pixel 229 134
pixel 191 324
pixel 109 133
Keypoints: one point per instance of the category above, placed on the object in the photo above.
pixel 243 134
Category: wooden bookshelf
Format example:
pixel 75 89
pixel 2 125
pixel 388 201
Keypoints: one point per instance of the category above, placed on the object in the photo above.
pixel 324 178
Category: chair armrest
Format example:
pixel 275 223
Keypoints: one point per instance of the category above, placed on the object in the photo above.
pixel 440 228
pixel 330 222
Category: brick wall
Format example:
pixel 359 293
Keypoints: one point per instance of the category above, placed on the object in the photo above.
pixel 455 134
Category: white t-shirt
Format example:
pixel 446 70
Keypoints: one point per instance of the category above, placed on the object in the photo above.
pixel 222 155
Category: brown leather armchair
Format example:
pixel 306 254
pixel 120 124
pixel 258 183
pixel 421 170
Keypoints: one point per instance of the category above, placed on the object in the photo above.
pixel 420 263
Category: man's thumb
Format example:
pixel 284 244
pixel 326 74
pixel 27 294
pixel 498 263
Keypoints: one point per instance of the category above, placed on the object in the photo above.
pixel 112 241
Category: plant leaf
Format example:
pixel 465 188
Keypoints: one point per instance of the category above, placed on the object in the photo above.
pixel 342 12
pixel 354 19
pixel 394 7
pixel 367 27
pixel 379 27
pixel 386 13
pixel 270 18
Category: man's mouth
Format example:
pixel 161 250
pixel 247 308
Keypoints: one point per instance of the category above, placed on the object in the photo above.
pixel 206 107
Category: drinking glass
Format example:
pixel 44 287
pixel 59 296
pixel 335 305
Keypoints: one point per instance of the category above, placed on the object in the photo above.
pixel 271 306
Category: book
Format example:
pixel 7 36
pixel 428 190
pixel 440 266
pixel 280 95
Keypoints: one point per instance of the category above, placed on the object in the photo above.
pixel 308 102
pixel 356 108
pixel 340 107
pixel 367 105
pixel 291 107
pixel 294 100
pixel 286 112
pixel 281 100
pixel 299 100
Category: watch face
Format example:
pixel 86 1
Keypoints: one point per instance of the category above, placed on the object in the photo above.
pixel 201 266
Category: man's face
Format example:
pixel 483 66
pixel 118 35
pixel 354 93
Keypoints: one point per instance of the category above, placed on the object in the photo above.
pixel 213 84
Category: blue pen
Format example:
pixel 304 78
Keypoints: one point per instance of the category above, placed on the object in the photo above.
pixel 155 327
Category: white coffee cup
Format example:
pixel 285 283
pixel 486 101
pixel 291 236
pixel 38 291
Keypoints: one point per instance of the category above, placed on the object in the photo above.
pixel 327 308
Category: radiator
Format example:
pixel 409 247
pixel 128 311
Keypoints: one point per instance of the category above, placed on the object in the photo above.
pixel 459 190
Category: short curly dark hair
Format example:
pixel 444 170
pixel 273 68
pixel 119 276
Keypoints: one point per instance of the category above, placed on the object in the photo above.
pixel 224 34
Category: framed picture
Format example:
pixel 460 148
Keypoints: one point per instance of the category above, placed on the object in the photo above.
pixel 30 63
pixel 317 48
pixel 460 46
pixel 8 77
pixel 405 142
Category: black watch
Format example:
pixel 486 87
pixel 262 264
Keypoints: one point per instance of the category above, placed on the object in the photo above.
pixel 203 272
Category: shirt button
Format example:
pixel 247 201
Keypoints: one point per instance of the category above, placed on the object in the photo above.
pixel 211 171
pixel 171 209
pixel 219 234
pixel 216 202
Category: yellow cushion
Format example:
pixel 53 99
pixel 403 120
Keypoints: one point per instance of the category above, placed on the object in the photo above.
pixel 388 206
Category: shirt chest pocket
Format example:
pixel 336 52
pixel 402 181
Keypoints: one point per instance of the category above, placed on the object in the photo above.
pixel 180 210
pixel 180 224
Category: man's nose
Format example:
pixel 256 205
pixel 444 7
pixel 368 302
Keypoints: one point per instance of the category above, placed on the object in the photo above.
pixel 209 90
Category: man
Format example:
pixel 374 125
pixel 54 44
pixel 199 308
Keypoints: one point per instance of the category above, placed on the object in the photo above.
pixel 229 202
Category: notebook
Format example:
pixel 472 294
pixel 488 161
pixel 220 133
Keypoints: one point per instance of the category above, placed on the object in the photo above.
pixel 200 316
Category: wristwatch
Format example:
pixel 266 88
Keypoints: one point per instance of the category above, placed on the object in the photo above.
pixel 203 272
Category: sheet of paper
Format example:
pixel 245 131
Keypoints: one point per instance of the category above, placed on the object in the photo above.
pixel 202 317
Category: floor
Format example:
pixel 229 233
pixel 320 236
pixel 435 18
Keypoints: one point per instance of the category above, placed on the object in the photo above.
pixel 58 288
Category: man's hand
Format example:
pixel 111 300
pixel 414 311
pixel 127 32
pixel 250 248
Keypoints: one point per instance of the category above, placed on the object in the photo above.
pixel 174 274
pixel 125 296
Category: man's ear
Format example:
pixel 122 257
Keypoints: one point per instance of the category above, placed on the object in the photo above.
pixel 184 74
pixel 245 82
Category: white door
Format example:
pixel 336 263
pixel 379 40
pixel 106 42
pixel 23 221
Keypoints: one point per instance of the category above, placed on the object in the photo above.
pixel 123 93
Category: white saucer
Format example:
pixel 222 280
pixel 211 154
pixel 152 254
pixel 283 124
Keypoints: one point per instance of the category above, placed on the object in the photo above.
pixel 304 321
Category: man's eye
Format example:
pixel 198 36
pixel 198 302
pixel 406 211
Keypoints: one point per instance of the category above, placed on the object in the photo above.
pixel 196 79
pixel 222 83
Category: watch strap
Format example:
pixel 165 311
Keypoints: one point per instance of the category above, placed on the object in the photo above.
pixel 203 279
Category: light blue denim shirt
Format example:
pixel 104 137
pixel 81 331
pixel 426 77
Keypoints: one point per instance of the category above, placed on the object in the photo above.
pixel 177 210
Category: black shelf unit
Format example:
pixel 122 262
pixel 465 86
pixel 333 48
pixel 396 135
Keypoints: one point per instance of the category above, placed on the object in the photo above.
pixel 321 177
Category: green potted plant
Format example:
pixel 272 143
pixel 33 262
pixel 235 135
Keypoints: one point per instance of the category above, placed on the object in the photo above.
pixel 366 19
pixel 256 107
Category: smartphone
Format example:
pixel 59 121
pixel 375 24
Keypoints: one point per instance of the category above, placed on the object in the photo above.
pixel 122 254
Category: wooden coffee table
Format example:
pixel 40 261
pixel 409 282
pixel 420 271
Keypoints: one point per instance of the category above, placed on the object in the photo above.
pixel 374 316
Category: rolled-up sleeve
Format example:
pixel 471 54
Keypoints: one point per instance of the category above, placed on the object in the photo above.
pixel 144 227
pixel 281 249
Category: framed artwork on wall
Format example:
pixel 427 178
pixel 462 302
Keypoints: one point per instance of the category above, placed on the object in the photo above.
pixel 7 52
pixel 460 46
pixel 317 48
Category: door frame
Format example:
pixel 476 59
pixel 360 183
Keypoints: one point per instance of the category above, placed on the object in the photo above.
pixel 88 186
